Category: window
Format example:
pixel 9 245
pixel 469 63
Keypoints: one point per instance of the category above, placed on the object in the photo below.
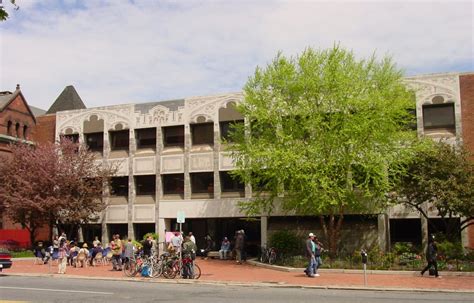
pixel 119 186
pixel 25 131
pixel 71 137
pixel 230 184
pixel 17 129
pixel 202 133
pixel 145 185
pixel 439 116
pixel 173 184
pixel 119 140
pixel 95 141
pixel 202 183
pixel 173 136
pixel 146 137
pixel 227 127
pixel 9 128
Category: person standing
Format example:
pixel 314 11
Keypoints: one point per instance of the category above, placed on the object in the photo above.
pixel 176 242
pixel 147 246
pixel 189 253
pixel 95 242
pixel 310 253
pixel 191 237
pixel 62 256
pixel 117 253
pixel 239 246
pixel 431 255
pixel 225 247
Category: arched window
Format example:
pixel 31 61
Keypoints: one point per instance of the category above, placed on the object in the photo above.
pixel 9 128
pixel 25 131
pixel 17 129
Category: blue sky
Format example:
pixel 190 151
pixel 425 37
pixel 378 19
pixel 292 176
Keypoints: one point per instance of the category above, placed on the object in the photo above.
pixel 118 51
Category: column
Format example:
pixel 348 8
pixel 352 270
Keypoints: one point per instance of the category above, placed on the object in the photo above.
pixel 105 153
pixel 131 184
pixel 382 227
pixel 217 148
pixel 159 186
pixel 80 236
pixel 105 233
pixel 187 150
pixel 263 231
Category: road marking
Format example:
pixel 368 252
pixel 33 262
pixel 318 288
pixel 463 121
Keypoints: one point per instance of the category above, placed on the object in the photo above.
pixel 59 290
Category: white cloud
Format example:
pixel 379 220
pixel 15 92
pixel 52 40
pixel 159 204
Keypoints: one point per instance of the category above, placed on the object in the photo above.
pixel 121 52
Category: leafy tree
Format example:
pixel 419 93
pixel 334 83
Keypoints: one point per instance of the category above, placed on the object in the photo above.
pixel 324 131
pixel 3 12
pixel 442 175
pixel 52 184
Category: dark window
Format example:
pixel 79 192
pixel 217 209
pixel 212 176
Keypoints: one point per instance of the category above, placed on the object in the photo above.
pixel 173 136
pixel 119 186
pixel 227 127
pixel 25 131
pixel 202 133
pixel 72 137
pixel 202 183
pixel 145 185
pixel 146 137
pixel 119 140
pixel 17 129
pixel 230 183
pixel 95 141
pixel 9 128
pixel 439 116
pixel 173 184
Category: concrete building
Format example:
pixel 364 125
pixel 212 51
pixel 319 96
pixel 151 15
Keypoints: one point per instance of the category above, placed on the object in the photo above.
pixel 171 159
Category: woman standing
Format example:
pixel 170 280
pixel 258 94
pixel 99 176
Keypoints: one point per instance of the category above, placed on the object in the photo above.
pixel 62 255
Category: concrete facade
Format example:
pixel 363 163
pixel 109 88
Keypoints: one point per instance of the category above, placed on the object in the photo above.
pixel 432 91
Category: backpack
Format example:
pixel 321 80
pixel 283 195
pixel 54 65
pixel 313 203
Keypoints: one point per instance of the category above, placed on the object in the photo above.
pixel 145 271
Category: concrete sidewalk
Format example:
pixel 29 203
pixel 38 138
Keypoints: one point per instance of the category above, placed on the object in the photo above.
pixel 228 272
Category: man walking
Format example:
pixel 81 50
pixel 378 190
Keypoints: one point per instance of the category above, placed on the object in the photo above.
pixel 117 253
pixel 310 253
pixel 431 255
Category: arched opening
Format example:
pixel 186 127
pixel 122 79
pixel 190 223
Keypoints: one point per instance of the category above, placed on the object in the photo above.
pixel 9 128
pixel 17 129
pixel 25 132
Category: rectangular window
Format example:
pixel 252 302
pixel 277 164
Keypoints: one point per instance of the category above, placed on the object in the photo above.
pixel 202 133
pixel 145 185
pixel 439 116
pixel 95 142
pixel 119 140
pixel 146 137
pixel 173 184
pixel 227 127
pixel 119 186
pixel 173 136
pixel 202 183
pixel 230 184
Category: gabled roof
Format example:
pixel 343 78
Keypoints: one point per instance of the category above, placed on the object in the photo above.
pixel 7 97
pixel 68 100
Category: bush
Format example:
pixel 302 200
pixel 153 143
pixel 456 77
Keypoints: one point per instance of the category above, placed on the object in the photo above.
pixel 286 243
pixel 22 254
pixel 449 250
pixel 153 235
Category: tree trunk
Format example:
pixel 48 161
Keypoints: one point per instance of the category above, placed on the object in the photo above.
pixel 332 225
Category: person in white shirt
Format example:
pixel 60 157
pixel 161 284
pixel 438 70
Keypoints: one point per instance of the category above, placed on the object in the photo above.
pixel 191 237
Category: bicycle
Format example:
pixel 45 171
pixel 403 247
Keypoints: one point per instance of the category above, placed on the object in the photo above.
pixel 268 255
pixel 172 267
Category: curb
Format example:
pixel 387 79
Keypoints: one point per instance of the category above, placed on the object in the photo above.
pixel 357 271
pixel 244 284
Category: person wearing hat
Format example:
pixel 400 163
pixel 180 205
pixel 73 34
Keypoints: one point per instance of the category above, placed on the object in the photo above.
pixel 310 253
pixel 225 248
pixel 82 256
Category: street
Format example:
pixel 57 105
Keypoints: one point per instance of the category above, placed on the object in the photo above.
pixel 45 289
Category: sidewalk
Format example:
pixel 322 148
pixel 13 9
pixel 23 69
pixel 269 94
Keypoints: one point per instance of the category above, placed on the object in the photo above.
pixel 228 272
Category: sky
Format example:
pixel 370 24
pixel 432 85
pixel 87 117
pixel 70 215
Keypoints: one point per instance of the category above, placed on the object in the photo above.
pixel 124 51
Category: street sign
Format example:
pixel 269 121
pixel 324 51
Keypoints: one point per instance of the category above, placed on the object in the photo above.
pixel 180 217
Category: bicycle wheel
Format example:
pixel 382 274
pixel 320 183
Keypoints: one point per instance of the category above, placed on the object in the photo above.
pixel 263 256
pixel 196 271
pixel 169 271
pixel 272 258
pixel 157 269
pixel 130 268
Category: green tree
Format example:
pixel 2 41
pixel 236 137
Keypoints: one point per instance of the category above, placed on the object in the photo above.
pixel 3 12
pixel 442 175
pixel 326 131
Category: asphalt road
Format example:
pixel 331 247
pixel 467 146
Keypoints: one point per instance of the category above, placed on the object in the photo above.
pixel 35 289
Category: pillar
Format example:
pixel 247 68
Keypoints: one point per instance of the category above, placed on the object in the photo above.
pixel 80 235
pixel 383 232
pixel 131 184
pixel 263 231
pixel 187 150
pixel 217 147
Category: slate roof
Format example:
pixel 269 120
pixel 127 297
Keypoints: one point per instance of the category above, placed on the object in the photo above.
pixel 68 100
pixel 6 97
pixel 37 111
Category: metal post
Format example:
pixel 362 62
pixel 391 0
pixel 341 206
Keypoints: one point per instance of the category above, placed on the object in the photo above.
pixel 365 274
pixel 180 252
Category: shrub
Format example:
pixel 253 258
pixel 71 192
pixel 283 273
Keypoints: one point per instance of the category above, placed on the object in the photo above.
pixel 153 235
pixel 286 243
pixel 449 250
